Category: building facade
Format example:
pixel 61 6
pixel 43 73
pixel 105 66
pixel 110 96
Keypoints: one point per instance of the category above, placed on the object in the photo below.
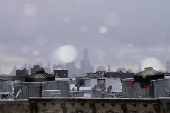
pixel 23 72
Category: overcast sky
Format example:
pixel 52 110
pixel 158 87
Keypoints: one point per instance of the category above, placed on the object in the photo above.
pixel 117 32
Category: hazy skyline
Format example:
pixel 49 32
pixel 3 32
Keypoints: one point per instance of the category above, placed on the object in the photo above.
pixel 119 33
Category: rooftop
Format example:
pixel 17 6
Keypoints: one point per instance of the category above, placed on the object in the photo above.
pixel 149 71
pixel 60 68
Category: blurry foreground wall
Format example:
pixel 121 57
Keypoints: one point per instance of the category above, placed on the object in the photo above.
pixel 80 105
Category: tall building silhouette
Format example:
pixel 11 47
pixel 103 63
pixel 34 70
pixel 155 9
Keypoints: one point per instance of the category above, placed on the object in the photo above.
pixel 101 68
pixel 121 69
pixel 85 54
pixel 129 70
pixel 92 69
pixel 23 66
pixel 108 68
pixel 140 67
pixel 13 71
pixel 47 69
pixel 48 65
pixel 71 68
pixel 29 69
pixel 55 66
pixel 40 64
pixel 168 66
pixel 85 63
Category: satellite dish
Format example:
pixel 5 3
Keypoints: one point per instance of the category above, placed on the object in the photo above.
pixel 18 93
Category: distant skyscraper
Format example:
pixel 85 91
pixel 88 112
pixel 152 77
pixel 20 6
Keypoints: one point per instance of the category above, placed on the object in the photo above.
pixel 55 66
pixel 68 67
pixel 72 69
pixel 13 71
pixel 101 68
pixel 48 65
pixel 85 54
pixel 78 72
pixel 140 67
pixel 35 69
pixel 48 69
pixel 92 69
pixel 85 66
pixel 129 70
pixel 108 68
pixel 121 69
pixel 168 66
pixel 29 69
pixel 40 64
pixel 85 63
pixel 23 66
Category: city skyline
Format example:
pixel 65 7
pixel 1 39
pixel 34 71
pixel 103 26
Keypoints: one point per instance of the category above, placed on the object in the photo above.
pixel 112 68
pixel 117 33
pixel 85 57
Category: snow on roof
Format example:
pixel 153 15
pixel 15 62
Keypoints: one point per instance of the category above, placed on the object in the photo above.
pixel 116 90
pixel 72 85
pixel 60 68
pixel 85 88
pixel 5 92
pixel 128 79
pixel 83 98
pixel 164 98
pixel 17 100
pixel 167 77
pixel 51 91
pixel 62 79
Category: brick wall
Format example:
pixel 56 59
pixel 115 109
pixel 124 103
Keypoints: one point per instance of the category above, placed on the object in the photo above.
pixel 81 106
